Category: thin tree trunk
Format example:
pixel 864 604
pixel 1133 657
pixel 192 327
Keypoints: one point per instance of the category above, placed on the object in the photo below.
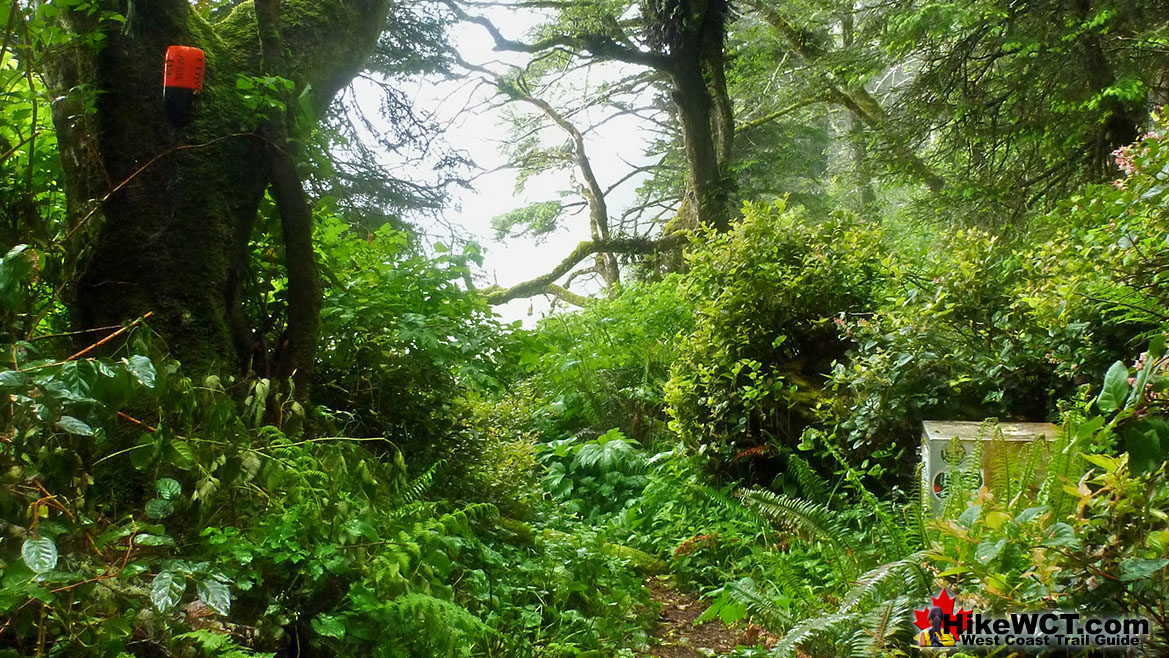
pixel 297 352
pixel 706 193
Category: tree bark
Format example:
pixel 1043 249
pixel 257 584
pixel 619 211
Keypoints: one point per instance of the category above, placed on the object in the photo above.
pixel 1119 122
pixel 706 189
pixel 174 238
pixel 298 350
pixel 697 71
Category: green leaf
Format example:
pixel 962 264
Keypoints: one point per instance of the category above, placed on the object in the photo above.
pixel 1060 535
pixel 153 540
pixel 157 508
pixel 180 454
pixel 989 550
pixel 1136 568
pixel 13 379
pixel 1115 390
pixel 732 612
pixel 329 626
pixel 1146 449
pixel 169 489
pixel 39 554
pixel 166 590
pixel 967 518
pixel 142 369
pixel 216 593
pixel 113 534
pixel 1030 513
pixel 74 426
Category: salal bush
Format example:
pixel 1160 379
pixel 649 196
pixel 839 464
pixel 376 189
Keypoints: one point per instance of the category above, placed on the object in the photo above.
pixel 769 296
pixel 987 328
pixel 954 338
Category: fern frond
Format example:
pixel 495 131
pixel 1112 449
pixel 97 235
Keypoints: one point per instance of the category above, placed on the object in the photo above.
pixel 721 499
pixel 459 520
pixel 807 630
pixel 418 487
pixel 1000 484
pixel 763 609
pixel 906 572
pixel 812 485
pixel 1067 464
pixel 895 535
pixel 436 615
pixel 419 508
pixel 915 513
pixel 961 484
pixel 1035 452
pixel 880 626
pixel 811 519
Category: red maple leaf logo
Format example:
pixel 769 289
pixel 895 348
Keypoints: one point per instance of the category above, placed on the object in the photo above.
pixel 946 602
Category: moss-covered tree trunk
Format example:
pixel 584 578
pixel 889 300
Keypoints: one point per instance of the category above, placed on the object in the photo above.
pixel 162 216
pixel 706 180
pixel 697 63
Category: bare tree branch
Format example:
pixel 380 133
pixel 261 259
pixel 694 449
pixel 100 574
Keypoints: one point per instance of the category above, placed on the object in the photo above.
pixel 496 295
pixel 597 44
pixel 591 187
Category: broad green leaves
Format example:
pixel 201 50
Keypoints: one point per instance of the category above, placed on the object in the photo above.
pixel 1140 568
pixel 1116 388
pixel 16 268
pixel 142 369
pixel 328 626
pixel 167 589
pixel 39 554
pixel 169 586
pixel 159 509
pixel 215 593
pixel 988 550
pixel 169 489
pixel 1146 435
pixel 74 426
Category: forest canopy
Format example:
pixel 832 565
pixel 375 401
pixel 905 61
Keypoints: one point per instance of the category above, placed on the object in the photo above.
pixel 251 405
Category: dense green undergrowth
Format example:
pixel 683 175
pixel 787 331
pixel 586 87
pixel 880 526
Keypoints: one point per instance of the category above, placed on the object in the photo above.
pixel 457 487
pixel 763 441
pixel 764 461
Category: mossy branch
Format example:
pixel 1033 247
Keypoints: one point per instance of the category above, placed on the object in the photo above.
pixel 599 45
pixel 856 98
pixel 544 284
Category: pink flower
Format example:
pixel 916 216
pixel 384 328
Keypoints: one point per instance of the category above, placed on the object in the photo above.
pixel 1124 160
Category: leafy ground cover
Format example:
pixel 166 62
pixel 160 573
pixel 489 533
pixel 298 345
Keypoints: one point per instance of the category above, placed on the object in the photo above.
pixel 716 457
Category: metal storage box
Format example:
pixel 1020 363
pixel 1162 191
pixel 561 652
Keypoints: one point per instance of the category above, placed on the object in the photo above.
pixel 938 461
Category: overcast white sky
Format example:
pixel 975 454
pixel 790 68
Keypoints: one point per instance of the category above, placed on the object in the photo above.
pixel 480 133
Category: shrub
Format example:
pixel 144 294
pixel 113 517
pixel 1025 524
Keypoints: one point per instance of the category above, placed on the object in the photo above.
pixel 768 296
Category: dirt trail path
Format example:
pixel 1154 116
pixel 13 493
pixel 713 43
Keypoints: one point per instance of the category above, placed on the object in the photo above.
pixel 676 636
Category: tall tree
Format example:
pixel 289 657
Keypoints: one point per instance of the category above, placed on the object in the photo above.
pixel 684 42
pixel 165 213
